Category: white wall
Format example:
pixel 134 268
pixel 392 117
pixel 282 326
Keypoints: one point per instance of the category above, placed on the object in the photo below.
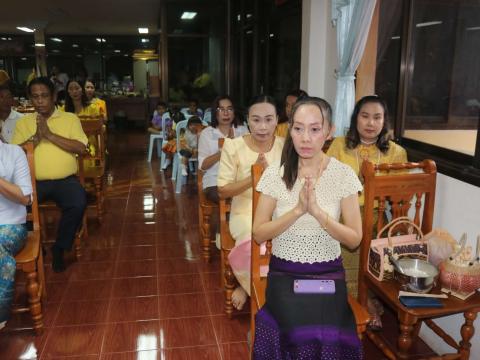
pixel 319 50
pixel 457 209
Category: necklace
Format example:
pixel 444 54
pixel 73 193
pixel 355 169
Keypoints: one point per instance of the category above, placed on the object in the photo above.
pixel 257 148
pixel 368 142
pixel 318 172
pixel 364 155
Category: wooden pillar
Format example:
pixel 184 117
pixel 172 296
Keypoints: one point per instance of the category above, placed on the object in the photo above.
pixel 163 51
pixel 40 52
pixel 365 84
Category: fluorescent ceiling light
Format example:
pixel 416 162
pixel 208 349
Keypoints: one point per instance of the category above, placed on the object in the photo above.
pixel 428 23
pixel 395 37
pixel 55 50
pixel 249 16
pixel 468 29
pixel 39 45
pixel 101 40
pixel 117 51
pixel 75 45
pixel 24 58
pixel 145 40
pixel 56 39
pixel 143 30
pixel 26 29
pixel 4 38
pixel 188 15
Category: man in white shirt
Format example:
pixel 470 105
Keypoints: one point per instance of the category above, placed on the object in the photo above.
pixel 8 116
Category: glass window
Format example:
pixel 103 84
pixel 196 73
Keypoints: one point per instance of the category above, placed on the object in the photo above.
pixel 443 90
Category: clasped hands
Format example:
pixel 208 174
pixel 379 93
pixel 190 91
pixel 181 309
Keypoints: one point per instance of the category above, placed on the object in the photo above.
pixel 307 199
pixel 43 131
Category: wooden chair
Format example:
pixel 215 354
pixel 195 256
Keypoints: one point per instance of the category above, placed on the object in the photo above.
pixel 402 190
pixel 30 258
pixel 227 244
pixel 206 209
pixel 50 206
pixel 94 171
pixel 260 263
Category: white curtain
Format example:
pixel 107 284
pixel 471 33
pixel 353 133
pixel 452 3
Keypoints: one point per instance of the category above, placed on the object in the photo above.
pixel 352 19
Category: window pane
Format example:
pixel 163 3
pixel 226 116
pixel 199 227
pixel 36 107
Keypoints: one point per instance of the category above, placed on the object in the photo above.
pixel 389 46
pixel 443 94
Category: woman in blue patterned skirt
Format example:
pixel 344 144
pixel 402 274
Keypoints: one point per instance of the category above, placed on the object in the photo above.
pixel 15 194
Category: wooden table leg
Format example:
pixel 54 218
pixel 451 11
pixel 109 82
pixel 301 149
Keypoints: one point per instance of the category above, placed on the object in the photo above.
pixel 405 339
pixel 467 332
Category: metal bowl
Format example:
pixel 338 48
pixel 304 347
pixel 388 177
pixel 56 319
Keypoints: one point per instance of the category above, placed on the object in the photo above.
pixel 418 275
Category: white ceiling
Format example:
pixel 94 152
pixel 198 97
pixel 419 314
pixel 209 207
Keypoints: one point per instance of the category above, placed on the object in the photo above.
pixel 115 17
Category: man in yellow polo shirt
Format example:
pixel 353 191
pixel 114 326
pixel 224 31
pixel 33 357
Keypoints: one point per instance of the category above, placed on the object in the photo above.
pixel 58 137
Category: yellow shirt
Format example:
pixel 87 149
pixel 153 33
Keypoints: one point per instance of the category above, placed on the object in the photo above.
pixel 51 162
pixel 282 129
pixel 355 157
pixel 235 165
pixel 102 107
pixel 90 110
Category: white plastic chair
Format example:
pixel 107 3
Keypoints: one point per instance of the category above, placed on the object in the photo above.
pixel 177 160
pixel 154 137
pixel 163 157
pixel 207 116
pixel 184 111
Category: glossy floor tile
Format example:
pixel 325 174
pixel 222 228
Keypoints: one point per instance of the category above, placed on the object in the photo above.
pixel 141 290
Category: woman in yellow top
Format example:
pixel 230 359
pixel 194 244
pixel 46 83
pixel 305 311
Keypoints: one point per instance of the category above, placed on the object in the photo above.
pixel 234 181
pixel 290 100
pixel 367 139
pixel 76 101
pixel 99 103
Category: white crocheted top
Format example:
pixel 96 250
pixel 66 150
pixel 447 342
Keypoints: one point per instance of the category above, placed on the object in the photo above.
pixel 305 241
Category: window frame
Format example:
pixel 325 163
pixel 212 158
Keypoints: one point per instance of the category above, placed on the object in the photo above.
pixel 449 162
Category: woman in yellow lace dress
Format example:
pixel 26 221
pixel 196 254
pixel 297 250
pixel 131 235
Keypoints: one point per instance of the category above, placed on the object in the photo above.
pixel 367 139
pixel 290 100
pixel 76 102
pixel 99 103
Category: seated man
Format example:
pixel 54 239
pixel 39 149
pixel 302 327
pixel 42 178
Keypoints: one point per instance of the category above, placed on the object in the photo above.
pixel 57 136
pixel 8 116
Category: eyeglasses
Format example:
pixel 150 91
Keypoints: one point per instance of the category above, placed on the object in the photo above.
pixel 224 110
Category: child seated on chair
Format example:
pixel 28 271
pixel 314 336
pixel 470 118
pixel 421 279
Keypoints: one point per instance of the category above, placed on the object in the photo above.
pixel 169 134
pixel 189 141
pixel 161 109
pixel 193 108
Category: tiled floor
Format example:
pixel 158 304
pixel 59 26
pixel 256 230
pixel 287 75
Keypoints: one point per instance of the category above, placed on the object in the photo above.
pixel 141 290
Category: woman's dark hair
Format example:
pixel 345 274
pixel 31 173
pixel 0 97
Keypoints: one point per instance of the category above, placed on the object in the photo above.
pixel 260 99
pixel 163 104
pixel 42 80
pixel 289 155
pixel 8 86
pixel 299 94
pixel 216 105
pixel 90 81
pixel 352 139
pixel 69 107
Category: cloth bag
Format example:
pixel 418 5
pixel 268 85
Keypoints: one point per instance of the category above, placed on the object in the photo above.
pixel 412 244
